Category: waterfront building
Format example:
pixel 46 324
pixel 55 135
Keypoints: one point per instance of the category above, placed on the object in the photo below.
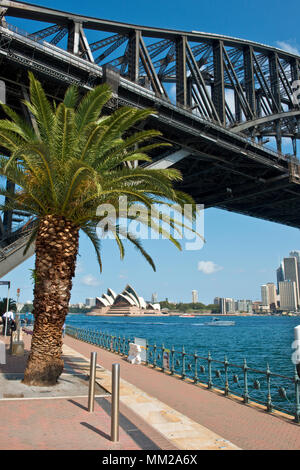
pixel 128 302
pixel 194 296
pixel 256 306
pixel 79 305
pixel 272 295
pixel 288 295
pixel 244 306
pixel 264 295
pixel 90 302
pixel 230 305
pixel 291 274
pixel 223 306
pixel 217 301
pixel 269 295
pixel 227 305
pixel 296 254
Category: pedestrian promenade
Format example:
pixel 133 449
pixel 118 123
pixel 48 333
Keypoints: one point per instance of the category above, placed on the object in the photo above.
pixel 245 426
pixel 157 411
pixel 46 420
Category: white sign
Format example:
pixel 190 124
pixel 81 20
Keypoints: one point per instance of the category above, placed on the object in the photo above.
pixel 134 355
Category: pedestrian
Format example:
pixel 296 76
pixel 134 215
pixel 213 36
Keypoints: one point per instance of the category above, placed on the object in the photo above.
pixel 63 330
pixel 6 318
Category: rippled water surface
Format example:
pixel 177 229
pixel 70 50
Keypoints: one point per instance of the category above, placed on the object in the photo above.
pixel 260 340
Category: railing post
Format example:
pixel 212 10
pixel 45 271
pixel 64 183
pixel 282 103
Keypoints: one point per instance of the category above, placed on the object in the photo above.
pixel 210 382
pixel 183 363
pixel 147 352
pixel 226 390
pixel 196 368
pixel 246 394
pixel 172 360
pixel 269 402
pixel 154 355
pixel 93 363
pixel 115 398
pixel 162 361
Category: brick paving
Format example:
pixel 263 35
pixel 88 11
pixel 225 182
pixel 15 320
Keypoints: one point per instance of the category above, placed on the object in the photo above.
pixel 245 426
pixel 65 423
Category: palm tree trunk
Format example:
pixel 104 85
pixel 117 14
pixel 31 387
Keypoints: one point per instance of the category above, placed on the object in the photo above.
pixel 56 251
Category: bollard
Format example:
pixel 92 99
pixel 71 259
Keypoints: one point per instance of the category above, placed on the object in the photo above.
pixel 115 397
pixel 93 362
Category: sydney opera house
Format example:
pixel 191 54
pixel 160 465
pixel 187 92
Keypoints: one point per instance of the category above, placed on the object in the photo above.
pixel 126 303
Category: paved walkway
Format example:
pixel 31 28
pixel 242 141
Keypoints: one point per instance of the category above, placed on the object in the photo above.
pixel 157 412
pixel 39 418
pixel 245 426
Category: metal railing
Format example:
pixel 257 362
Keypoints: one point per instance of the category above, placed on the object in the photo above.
pixel 270 390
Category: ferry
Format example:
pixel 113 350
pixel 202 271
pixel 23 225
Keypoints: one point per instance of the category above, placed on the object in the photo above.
pixel 219 322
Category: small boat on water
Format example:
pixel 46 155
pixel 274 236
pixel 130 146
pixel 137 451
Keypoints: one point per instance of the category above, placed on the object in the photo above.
pixel 186 315
pixel 219 322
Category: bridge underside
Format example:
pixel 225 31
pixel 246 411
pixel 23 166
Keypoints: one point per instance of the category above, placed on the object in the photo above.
pixel 230 97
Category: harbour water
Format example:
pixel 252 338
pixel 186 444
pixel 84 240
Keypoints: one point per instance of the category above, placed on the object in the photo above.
pixel 265 342
pixel 261 340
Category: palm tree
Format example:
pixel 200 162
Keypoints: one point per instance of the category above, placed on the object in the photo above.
pixel 70 161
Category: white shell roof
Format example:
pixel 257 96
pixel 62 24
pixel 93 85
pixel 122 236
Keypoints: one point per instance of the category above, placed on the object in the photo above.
pixel 103 301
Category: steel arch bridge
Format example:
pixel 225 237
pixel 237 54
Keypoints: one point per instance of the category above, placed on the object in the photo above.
pixel 219 101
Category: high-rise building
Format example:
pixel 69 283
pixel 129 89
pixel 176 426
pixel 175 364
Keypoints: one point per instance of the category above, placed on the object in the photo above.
pixel 269 295
pixel 296 254
pixel 265 295
pixel 217 301
pixel 154 298
pixel 280 275
pixel 230 305
pixel 272 295
pixel 90 302
pixel 244 306
pixel 223 306
pixel 194 296
pixel 288 295
pixel 291 274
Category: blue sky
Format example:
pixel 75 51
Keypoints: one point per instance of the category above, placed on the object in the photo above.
pixel 243 252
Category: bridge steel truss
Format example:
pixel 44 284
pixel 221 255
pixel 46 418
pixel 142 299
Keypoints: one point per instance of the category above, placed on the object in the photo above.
pixel 219 99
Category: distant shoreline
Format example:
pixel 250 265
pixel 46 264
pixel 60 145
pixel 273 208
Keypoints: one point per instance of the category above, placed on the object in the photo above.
pixel 177 314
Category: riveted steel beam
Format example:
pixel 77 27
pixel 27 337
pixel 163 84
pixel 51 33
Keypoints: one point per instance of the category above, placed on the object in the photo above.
pixel 249 79
pixel 73 37
pixel 274 81
pixel 218 88
pixel 133 56
pixel 181 76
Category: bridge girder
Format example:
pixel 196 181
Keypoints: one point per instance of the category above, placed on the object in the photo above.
pixel 226 80
pixel 217 98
